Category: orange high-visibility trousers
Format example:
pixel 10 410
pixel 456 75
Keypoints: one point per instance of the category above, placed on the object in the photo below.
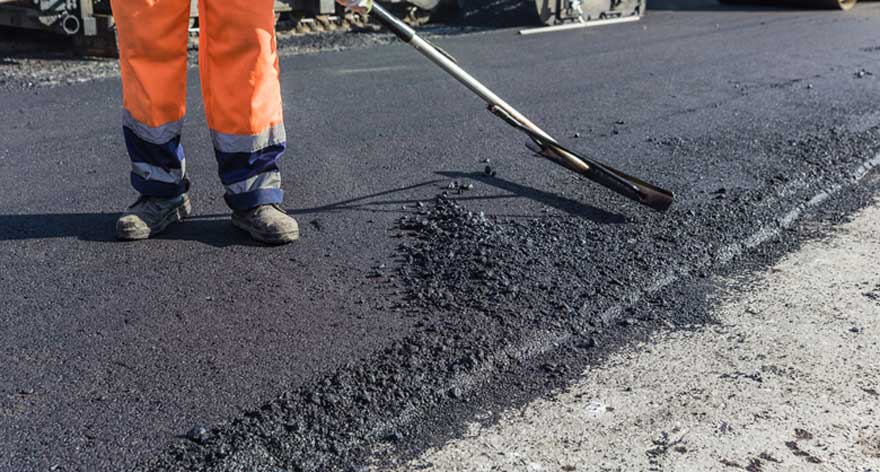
pixel 238 64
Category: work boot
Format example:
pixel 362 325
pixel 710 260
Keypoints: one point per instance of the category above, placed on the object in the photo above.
pixel 267 224
pixel 149 216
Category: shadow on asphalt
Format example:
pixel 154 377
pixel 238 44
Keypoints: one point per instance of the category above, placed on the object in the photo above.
pixel 572 207
pixel 84 226
pixel 216 230
pixel 99 227
pixel 366 201
pixel 369 202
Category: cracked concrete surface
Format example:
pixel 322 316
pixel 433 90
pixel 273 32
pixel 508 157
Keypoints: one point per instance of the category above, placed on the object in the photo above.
pixel 788 379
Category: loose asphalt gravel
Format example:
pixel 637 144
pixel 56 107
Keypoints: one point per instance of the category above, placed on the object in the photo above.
pixel 424 290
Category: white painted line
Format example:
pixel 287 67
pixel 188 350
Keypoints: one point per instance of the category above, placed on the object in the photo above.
pixel 578 25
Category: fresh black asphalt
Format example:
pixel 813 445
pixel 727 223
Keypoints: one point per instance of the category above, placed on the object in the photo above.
pixel 110 352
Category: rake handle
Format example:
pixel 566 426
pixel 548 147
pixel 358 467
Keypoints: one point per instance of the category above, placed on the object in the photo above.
pixel 629 186
pixel 409 36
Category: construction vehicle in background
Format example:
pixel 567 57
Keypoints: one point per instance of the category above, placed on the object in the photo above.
pixel 89 23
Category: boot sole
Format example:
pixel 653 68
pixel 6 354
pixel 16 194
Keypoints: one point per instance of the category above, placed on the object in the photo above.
pixel 267 238
pixel 175 216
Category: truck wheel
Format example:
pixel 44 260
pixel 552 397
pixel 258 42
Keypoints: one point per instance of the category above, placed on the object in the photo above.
pixel 497 13
pixel 836 4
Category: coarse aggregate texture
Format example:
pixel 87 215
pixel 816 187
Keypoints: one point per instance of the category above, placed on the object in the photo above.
pixel 30 59
pixel 142 351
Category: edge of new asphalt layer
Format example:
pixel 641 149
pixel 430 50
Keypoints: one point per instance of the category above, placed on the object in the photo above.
pixel 392 439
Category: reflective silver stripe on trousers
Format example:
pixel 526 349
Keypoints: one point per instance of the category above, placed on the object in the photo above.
pixel 257 182
pixel 235 143
pixel 158 174
pixel 152 134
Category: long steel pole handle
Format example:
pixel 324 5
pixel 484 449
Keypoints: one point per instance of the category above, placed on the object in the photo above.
pixel 629 186
pixel 408 35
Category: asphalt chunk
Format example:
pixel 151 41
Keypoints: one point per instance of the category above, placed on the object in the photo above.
pixel 197 434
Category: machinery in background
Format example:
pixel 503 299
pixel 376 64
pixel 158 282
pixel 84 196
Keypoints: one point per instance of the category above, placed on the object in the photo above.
pixel 555 13
pixel 90 22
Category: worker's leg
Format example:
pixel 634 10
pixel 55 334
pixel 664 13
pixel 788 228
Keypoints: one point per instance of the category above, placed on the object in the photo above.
pixel 242 95
pixel 152 56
